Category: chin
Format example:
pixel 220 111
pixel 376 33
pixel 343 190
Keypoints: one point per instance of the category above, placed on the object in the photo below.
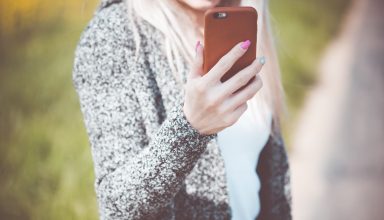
pixel 201 4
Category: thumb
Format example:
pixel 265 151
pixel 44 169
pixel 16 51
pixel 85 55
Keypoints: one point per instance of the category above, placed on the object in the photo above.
pixel 197 65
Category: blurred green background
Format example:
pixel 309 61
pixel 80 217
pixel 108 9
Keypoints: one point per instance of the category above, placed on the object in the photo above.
pixel 46 170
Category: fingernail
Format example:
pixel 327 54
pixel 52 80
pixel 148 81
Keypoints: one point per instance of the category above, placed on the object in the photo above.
pixel 245 44
pixel 262 60
pixel 197 45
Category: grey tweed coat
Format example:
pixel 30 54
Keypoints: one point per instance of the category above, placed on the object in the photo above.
pixel 150 163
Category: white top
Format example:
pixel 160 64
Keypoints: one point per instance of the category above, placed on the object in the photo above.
pixel 240 146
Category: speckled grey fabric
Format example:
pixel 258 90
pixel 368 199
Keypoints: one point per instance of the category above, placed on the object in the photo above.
pixel 150 163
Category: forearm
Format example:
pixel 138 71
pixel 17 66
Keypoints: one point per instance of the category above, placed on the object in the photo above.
pixel 150 179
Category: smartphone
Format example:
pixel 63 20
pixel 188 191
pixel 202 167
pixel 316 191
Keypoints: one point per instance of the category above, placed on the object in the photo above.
pixel 224 27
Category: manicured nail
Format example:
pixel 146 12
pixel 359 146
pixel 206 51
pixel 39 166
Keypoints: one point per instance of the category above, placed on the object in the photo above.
pixel 197 45
pixel 262 60
pixel 245 44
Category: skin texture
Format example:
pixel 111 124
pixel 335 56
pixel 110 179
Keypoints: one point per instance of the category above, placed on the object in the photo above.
pixel 200 4
pixel 210 105
pixel 197 8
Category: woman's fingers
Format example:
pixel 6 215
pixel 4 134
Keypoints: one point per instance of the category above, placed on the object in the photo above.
pixel 197 66
pixel 236 114
pixel 241 78
pixel 204 106
pixel 245 94
pixel 227 61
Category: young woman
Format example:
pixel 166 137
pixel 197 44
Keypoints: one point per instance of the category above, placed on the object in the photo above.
pixel 168 142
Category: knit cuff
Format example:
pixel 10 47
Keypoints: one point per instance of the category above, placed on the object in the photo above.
pixel 185 124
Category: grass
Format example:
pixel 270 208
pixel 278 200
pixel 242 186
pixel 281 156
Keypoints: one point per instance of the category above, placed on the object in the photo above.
pixel 46 168
pixel 46 171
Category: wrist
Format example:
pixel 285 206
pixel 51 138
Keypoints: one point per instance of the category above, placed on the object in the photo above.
pixel 185 115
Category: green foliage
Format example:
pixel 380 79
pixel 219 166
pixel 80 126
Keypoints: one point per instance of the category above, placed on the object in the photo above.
pixel 46 170
pixel 303 29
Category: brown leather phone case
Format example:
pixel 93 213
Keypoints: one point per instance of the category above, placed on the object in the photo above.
pixel 223 31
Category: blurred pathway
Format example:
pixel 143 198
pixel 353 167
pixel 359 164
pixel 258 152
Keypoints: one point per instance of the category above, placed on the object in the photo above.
pixel 338 158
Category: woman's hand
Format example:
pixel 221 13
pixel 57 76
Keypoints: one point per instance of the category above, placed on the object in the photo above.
pixel 210 105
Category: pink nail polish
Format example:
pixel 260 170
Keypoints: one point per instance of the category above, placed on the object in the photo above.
pixel 245 44
pixel 197 45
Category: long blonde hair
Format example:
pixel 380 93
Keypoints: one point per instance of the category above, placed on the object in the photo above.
pixel 176 26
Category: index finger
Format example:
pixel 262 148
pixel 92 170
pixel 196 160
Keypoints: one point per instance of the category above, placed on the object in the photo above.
pixel 226 62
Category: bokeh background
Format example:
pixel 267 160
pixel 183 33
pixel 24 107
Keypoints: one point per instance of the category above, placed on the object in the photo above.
pixel 334 127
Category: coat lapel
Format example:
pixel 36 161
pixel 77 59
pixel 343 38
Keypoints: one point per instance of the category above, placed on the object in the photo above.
pixel 207 180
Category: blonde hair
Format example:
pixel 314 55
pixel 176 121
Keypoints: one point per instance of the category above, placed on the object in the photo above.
pixel 179 42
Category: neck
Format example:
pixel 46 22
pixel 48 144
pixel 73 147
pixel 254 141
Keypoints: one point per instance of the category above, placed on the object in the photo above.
pixel 197 16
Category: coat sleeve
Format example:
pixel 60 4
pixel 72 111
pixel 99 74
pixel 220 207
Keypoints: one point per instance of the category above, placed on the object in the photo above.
pixel 274 173
pixel 135 176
